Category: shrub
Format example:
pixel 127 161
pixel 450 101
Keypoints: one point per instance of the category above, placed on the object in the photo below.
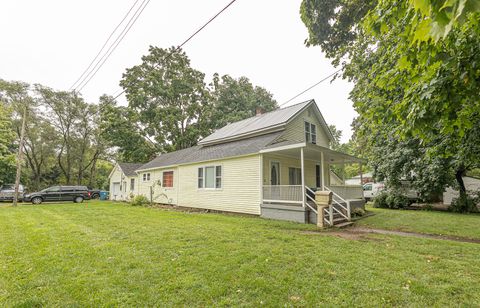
pixel 140 200
pixel 390 200
pixel 380 200
pixel 465 204
pixel 358 212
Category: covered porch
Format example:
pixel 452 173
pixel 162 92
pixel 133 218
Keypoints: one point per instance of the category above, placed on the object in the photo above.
pixel 291 174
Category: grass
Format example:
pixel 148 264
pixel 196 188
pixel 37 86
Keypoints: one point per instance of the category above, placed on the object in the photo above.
pixel 107 254
pixel 432 222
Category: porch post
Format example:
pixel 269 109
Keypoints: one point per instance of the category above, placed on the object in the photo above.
pixel 322 171
pixel 302 165
pixel 261 179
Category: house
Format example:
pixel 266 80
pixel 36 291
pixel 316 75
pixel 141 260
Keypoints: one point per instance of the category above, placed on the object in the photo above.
pixel 267 165
pixel 360 178
pixel 123 181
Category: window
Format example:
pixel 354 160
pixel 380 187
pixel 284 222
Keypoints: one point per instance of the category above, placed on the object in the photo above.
pixel 132 184
pixel 367 187
pixel 146 177
pixel 310 133
pixel 210 177
pixel 200 177
pixel 294 176
pixel 125 186
pixel 167 180
pixel 218 177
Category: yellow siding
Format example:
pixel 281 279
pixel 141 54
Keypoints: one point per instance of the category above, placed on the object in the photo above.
pixel 240 190
pixel 285 163
pixel 161 194
pixel 295 130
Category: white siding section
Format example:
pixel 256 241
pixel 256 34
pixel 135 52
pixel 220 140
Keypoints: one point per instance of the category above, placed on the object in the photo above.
pixel 120 186
pixel 295 130
pixel 240 190
pixel 285 163
pixel 160 194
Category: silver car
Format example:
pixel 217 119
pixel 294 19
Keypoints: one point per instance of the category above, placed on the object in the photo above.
pixel 7 191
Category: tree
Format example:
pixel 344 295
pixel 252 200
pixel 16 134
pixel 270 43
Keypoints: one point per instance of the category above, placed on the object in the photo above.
pixel 237 99
pixel 7 139
pixel 16 94
pixel 120 128
pixel 415 72
pixel 170 98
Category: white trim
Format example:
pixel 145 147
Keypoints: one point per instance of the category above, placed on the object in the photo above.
pixel 302 164
pixel 222 176
pixel 285 147
pixel 261 178
pixel 283 201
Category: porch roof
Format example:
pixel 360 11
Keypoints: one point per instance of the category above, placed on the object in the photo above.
pixel 312 152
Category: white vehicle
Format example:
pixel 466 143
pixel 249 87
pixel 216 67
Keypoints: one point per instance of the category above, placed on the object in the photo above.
pixel 370 190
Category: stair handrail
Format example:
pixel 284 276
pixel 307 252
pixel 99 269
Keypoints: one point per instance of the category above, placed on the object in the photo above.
pixel 347 203
pixel 309 197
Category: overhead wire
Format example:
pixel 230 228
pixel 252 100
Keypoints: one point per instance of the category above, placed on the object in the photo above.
pixel 192 36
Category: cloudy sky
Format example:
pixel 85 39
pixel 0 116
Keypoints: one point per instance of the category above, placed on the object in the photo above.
pixel 52 41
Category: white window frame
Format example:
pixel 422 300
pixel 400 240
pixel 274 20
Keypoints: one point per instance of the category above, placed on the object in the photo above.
pixel 215 177
pixel 296 168
pixel 311 134
pixel 146 177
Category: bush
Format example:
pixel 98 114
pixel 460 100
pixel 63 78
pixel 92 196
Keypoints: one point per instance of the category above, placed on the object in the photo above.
pixel 140 200
pixel 391 200
pixel 465 204
pixel 358 212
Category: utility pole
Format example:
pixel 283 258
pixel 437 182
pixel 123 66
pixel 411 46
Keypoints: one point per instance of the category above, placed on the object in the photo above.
pixel 20 157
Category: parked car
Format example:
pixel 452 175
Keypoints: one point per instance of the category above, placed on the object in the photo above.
pixel 7 191
pixel 59 193
pixel 370 190
pixel 94 193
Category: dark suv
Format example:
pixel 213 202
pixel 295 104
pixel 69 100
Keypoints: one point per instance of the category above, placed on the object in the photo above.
pixel 59 193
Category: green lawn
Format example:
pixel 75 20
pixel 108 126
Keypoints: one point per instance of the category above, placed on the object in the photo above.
pixel 99 254
pixel 433 222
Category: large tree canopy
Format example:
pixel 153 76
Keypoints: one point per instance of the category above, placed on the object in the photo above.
pixel 415 66
pixel 237 99
pixel 170 98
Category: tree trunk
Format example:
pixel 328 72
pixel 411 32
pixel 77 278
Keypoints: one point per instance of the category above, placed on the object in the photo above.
pixel 20 157
pixel 459 177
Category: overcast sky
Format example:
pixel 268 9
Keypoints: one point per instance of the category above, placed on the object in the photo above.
pixel 52 41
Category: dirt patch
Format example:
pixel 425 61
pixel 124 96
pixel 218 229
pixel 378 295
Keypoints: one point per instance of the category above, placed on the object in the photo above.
pixel 346 234
pixel 361 233
pixel 414 234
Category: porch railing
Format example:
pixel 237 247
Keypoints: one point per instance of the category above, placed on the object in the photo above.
pixel 283 193
pixel 347 192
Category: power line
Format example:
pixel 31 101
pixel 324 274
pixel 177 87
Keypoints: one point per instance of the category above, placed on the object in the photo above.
pixel 193 35
pixel 104 44
pixel 114 45
pixel 311 87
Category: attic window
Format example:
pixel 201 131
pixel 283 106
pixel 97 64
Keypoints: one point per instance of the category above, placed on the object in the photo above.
pixel 146 177
pixel 310 133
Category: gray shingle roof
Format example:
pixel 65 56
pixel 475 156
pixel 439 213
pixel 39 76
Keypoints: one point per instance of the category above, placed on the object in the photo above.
pixel 202 153
pixel 129 168
pixel 257 123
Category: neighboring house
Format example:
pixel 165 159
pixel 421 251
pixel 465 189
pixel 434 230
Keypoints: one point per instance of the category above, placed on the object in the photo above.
pixel 264 165
pixel 363 178
pixel 472 185
pixel 124 181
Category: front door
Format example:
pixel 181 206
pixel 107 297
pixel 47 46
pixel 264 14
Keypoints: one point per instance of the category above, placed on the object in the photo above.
pixel 318 176
pixel 116 191
pixel 274 173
